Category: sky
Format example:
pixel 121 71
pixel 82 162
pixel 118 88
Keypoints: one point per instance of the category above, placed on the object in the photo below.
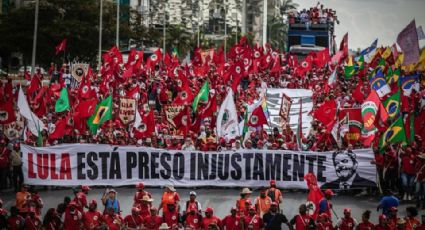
pixel 366 20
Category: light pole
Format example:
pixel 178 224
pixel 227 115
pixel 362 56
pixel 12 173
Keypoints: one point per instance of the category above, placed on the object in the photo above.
pixel 117 39
pixel 34 41
pixel 264 22
pixel 99 58
pixel 225 33
pixel 243 17
pixel 164 30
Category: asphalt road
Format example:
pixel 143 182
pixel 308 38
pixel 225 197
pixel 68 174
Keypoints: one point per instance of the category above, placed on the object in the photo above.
pixel 221 200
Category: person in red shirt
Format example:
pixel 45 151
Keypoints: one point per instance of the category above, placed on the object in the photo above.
pixel 323 222
pixel 15 221
pixel 4 163
pixel 145 206
pixel 71 218
pixel 134 220
pixel 347 222
pixel 303 221
pixel 422 226
pixel 138 197
pixel 393 218
pixel 32 222
pixel 81 198
pixel 153 221
pixel 383 223
pixel 192 219
pixel 232 221
pixel 408 173
pixel 241 203
pixel 170 196
pixel 192 203
pixel 172 217
pixel 92 219
pixel 210 219
pixel 365 224
pixel 112 220
pixel 252 221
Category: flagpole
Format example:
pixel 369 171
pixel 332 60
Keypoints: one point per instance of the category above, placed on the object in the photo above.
pixel 99 58
pixel 34 41
pixel 117 38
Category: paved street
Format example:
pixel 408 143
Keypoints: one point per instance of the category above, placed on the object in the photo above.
pixel 219 199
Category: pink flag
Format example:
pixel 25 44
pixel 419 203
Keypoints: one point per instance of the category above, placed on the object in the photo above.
pixel 407 39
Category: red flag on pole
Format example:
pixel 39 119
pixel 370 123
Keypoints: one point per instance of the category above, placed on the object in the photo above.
pixel 314 196
pixel 344 45
pixel 61 47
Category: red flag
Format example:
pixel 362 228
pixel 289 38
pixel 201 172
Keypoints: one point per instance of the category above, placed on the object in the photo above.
pixel 182 120
pixel 344 45
pixel 128 73
pixel 61 47
pixel 167 59
pixel 420 126
pixel 314 195
pixel 258 118
pixel 326 113
pixel 236 73
pixel 86 108
pixel 7 113
pixel 85 90
pixel 154 59
pixel 305 65
pixel 276 68
pixel 146 126
pixel 59 130
pixel 358 94
pixel 322 57
pixel 184 97
pixel 34 85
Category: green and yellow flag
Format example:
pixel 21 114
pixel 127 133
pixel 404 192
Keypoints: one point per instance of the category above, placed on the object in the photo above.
pixel 392 105
pixel 103 113
pixel 394 134
pixel 349 69
pixel 62 103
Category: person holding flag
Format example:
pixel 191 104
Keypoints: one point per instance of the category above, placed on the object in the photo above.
pixel 325 205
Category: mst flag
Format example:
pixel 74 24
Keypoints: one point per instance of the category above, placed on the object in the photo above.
pixel 394 134
pixel 7 113
pixel 257 117
pixel 227 118
pixel 33 122
pixel 408 41
pixel 202 96
pixel 102 114
pixel 61 47
pixel 62 103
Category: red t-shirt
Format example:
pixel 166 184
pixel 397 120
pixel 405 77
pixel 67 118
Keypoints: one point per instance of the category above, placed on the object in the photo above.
pixel 253 222
pixel 408 163
pixel 133 221
pixel 231 222
pixel 32 223
pixel 113 222
pixel 193 221
pixel 152 222
pixel 302 221
pixel 14 222
pixel 92 220
pixel 366 226
pixel 172 219
pixel 325 226
pixel 207 221
pixel 347 224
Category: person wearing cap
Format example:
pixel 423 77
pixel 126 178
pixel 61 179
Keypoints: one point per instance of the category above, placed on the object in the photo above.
pixel 112 220
pixel 325 205
pixel 393 218
pixel 273 220
pixel 303 221
pixel 420 180
pixel 263 202
pixel 15 221
pixel 192 203
pixel 252 221
pixel 109 199
pixel 210 221
pixel 72 218
pixel 274 193
pixel 153 221
pixel 232 221
pixel 172 217
pixel 347 222
pixel 323 222
pixel 170 196
pixel 81 198
pixel 240 203
pixel 134 220
pixel 387 202
pixel 138 196
pixel 22 200
pixel 32 222
pixel 383 223
pixel 365 224
pixel 92 219
pixel 411 219
pixel 192 219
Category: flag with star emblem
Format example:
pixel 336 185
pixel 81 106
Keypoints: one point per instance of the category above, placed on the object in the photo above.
pixel 102 114
pixel 394 134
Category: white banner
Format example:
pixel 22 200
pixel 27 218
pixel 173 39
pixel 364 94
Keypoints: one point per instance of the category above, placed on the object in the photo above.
pixel 90 164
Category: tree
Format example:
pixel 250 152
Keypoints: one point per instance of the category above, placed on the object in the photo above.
pixel 177 37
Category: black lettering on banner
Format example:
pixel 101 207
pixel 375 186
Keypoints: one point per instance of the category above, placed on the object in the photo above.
pixel 154 165
pixel 236 173
pixel 143 165
pixel 93 172
pixel 321 168
pixel 203 163
pixel 248 157
pixel 166 172
pixel 192 166
pixel 178 166
pixel 213 174
pixel 298 168
pixel 223 166
pixel 286 167
pixel 80 166
pixel 311 159
pixel 258 173
pixel 115 167
pixel 131 163
pixel 104 156
pixel 273 166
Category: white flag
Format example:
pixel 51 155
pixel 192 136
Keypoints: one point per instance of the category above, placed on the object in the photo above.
pixel 33 122
pixel 227 119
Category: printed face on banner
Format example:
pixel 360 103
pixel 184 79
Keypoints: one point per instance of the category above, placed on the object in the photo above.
pixel 79 70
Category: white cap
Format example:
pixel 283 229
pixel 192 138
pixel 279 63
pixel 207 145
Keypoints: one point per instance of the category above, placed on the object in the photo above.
pixel 192 193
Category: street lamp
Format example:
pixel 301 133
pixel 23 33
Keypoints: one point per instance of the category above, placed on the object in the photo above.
pixel 164 30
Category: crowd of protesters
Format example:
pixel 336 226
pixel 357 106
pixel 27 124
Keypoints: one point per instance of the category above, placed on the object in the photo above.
pixel 314 15
pixel 254 213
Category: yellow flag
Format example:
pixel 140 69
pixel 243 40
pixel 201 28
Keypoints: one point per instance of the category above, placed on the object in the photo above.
pixel 386 53
pixel 399 60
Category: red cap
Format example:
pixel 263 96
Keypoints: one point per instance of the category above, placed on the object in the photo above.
pixel 209 210
pixel 72 203
pixel 329 192
pixel 347 210
pixel 140 186
pixel 85 188
pixel 93 202
pixel 382 217
pixel 272 182
pixel 393 209
pixel 248 202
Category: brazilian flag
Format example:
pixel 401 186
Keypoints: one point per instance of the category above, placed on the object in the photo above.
pixel 360 63
pixel 103 113
pixel 393 76
pixel 349 69
pixel 394 134
pixel 392 105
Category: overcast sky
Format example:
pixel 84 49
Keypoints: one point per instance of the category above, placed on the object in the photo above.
pixel 366 20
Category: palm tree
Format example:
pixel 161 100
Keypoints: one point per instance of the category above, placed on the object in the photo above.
pixel 277 28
